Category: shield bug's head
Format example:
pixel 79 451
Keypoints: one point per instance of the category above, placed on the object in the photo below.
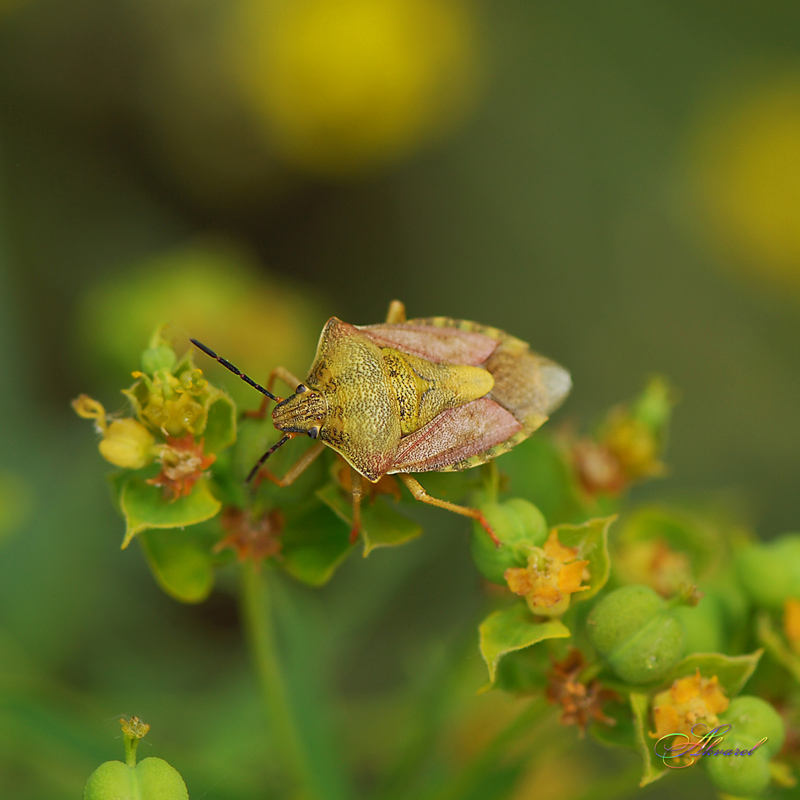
pixel 303 412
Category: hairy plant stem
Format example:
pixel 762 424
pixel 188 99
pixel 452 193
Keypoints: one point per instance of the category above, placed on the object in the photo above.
pixel 260 634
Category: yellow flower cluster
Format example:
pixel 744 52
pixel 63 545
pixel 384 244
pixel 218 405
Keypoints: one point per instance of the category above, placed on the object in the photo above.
pixel 553 574
pixel 687 702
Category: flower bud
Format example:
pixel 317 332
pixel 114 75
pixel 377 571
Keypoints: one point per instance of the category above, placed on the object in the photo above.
pixel 519 525
pixel 127 443
pixel 636 633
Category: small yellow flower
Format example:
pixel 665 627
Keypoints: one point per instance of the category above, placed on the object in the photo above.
pixel 553 574
pixel 170 403
pixel 791 623
pixel 687 702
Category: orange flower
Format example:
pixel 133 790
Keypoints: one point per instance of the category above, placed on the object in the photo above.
pixel 251 538
pixel 182 465
pixel 791 623
pixel 687 702
pixel 552 575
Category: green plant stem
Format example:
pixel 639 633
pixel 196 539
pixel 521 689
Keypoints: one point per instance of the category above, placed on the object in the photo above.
pixel 260 633
pixel 131 743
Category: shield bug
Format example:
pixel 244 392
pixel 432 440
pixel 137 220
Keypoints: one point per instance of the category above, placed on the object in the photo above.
pixel 406 396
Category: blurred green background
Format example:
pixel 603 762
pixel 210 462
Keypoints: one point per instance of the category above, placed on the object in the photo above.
pixel 616 183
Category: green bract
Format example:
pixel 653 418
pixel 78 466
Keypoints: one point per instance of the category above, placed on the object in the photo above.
pixel 151 779
pixel 519 525
pixel 635 632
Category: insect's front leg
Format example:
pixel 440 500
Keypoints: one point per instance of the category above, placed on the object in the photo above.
pixel 295 471
pixel 279 373
pixel 416 489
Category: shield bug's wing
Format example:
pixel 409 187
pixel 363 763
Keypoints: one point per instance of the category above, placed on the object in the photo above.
pixel 460 438
pixel 528 385
pixel 439 339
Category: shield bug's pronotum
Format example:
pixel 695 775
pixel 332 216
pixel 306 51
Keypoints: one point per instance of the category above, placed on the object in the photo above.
pixel 421 395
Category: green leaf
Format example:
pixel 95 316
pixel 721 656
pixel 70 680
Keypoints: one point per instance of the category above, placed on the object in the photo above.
pixel 381 525
pixel 514 628
pixel 220 429
pixel 621 734
pixel 733 672
pixel 144 506
pixel 591 539
pixel 315 542
pixel 654 767
pixel 181 561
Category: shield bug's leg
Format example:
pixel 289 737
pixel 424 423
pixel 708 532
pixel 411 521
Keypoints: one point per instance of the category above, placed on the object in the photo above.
pixel 396 313
pixel 355 482
pixel 279 373
pixel 294 472
pixel 416 489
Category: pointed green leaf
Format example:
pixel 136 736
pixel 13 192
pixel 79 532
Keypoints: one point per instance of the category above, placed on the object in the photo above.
pixel 733 672
pixel 775 645
pixel 654 767
pixel 314 543
pixel 591 539
pixel 381 525
pixel 145 506
pixel 181 562
pixel 220 429
pixel 514 628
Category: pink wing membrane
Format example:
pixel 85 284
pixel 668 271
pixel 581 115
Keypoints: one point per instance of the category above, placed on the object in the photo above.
pixel 454 435
pixel 442 345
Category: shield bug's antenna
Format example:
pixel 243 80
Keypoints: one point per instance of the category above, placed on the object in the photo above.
pixel 266 455
pixel 246 378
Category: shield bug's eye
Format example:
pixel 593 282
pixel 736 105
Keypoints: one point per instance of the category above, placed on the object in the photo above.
pixel 314 432
pixel 300 389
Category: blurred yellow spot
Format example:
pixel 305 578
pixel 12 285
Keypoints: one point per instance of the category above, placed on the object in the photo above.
pixel 344 87
pixel 749 173
pixel 791 622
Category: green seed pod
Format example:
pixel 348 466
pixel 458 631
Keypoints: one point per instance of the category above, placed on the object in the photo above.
pixel 519 525
pixel 754 717
pixel 636 633
pixel 739 775
pixel 150 778
pixel 751 720
pixel 771 572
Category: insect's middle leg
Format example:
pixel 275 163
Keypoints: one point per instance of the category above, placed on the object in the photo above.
pixel 296 470
pixel 357 489
pixel 416 489
pixel 279 373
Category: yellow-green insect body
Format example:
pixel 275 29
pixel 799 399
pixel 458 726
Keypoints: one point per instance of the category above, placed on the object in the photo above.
pixel 389 410
pixel 433 394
